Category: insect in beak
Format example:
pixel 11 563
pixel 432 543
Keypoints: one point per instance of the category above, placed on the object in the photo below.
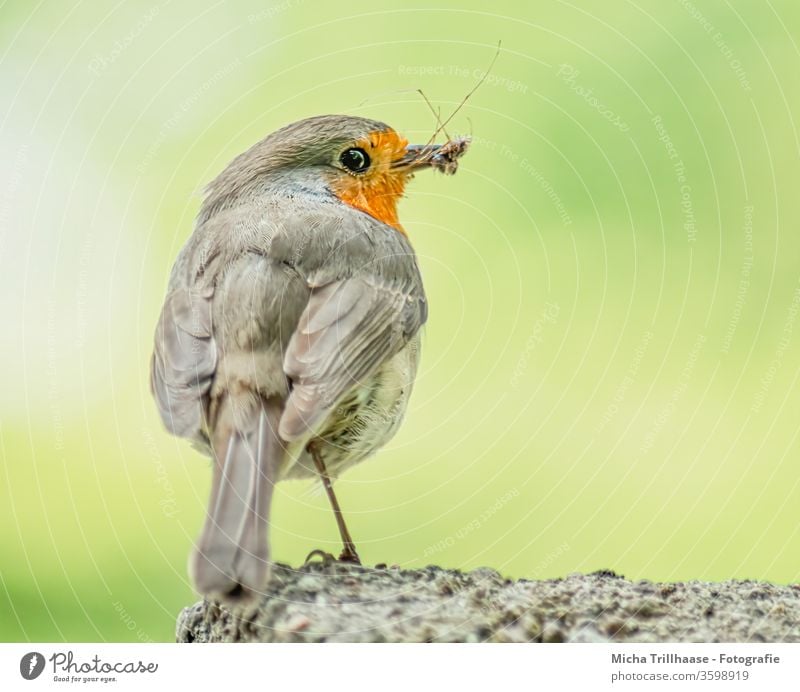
pixel 441 157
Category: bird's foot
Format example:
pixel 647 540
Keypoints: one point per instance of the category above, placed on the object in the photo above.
pixel 350 555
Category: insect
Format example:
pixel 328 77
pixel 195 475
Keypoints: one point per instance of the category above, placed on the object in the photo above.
pixel 445 157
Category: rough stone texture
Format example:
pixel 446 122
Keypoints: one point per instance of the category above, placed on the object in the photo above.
pixel 335 602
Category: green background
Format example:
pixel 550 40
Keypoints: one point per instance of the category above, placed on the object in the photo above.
pixel 601 386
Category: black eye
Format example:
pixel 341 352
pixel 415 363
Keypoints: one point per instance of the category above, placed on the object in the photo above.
pixel 355 160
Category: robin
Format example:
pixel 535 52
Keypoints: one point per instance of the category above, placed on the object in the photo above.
pixel 288 342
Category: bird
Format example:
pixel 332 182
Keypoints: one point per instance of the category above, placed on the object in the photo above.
pixel 289 338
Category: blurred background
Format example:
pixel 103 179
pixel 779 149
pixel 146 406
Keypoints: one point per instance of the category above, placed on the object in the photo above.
pixel 610 369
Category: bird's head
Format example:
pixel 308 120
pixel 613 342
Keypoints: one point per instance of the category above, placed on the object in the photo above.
pixel 365 163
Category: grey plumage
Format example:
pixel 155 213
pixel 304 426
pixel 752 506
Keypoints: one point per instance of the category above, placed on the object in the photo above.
pixel 289 316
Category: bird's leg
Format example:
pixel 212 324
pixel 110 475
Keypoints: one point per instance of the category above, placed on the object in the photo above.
pixel 349 553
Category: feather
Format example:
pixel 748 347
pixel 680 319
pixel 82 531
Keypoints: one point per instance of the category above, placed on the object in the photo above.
pixel 230 561
pixel 347 330
pixel 184 361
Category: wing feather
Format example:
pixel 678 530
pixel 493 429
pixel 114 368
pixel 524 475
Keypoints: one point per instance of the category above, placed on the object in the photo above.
pixel 184 361
pixel 348 329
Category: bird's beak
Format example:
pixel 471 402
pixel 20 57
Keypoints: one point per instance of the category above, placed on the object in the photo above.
pixel 442 157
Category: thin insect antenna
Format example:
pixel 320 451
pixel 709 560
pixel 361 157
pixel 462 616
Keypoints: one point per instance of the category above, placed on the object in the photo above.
pixel 471 92
pixel 439 119
pixel 436 114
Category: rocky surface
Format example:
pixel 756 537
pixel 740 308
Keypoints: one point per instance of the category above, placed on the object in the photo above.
pixel 336 602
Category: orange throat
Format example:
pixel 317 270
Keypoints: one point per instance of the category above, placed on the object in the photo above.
pixel 377 191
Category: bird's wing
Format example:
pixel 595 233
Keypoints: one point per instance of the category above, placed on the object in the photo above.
pixel 184 360
pixel 348 329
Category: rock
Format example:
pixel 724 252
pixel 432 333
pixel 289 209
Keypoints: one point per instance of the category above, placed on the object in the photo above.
pixel 338 602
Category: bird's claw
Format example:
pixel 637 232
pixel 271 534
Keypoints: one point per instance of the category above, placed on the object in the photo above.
pixel 327 558
pixel 350 555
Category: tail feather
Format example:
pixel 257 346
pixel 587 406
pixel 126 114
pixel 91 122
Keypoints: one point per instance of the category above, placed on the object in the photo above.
pixel 230 562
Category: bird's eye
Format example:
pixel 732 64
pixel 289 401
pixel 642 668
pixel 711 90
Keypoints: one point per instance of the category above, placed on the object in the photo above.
pixel 355 160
